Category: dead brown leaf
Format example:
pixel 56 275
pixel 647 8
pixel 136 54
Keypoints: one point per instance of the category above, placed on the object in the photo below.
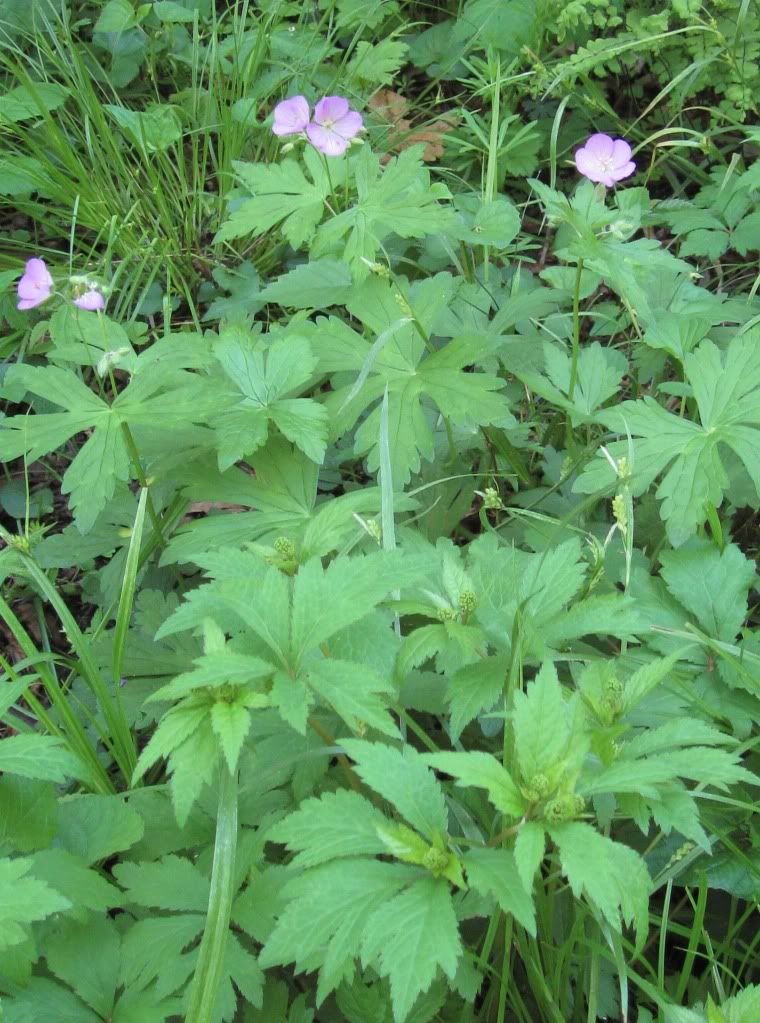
pixel 391 107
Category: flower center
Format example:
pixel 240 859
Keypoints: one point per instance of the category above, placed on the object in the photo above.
pixel 328 123
pixel 605 163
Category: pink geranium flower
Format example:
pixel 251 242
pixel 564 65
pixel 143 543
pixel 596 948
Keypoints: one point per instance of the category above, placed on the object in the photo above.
pixel 291 116
pixel 605 160
pixel 333 126
pixel 35 286
pixel 91 300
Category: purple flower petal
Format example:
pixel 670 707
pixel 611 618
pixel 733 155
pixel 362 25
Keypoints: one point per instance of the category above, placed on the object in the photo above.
pixel 587 164
pixel 330 109
pixel 600 146
pixel 621 152
pixel 349 125
pixel 35 285
pixel 92 300
pixel 291 116
pixel 326 140
pixel 625 171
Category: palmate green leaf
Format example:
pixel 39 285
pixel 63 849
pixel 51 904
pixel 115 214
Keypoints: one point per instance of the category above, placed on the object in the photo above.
pixel 402 778
pixel 397 199
pixel 24 899
pixel 315 285
pixel 337 824
pixel 281 194
pixel 328 910
pixel 713 586
pixel 28 812
pixel 495 872
pixel 685 454
pixel 409 938
pixel 151 943
pixel 265 378
pixel 103 459
pixel 611 876
pixel 481 770
pixel 377 63
pixel 414 377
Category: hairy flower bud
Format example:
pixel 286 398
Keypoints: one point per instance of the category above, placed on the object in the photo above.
pixel 436 861
pixel 467 601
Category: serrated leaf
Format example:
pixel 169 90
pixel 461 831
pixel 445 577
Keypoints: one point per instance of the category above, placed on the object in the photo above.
pixel 38 756
pixel 150 943
pixel 473 689
pixel 85 889
pixel 231 722
pixel 610 875
pixel 94 827
pixel 86 956
pixel 495 872
pixel 541 724
pixel 23 899
pixel 481 770
pixel 173 883
pixel 529 852
pixel 318 929
pixel 356 692
pixel 409 938
pixel 401 777
pixel 335 825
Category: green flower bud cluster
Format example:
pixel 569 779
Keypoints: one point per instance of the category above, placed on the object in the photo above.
pixel 491 499
pixel 446 614
pixel 436 861
pixel 612 701
pixel 564 808
pixel 537 788
pixel 467 602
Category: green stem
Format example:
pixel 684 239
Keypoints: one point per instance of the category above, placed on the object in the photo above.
pixel 210 967
pixel 576 329
pixel 134 454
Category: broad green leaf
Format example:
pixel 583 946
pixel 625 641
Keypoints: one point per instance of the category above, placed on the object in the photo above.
pixel 154 129
pixel 410 937
pixel 481 770
pixel 402 778
pixel 316 285
pixel 84 888
pixel 495 872
pixel 44 1001
pixel 94 827
pixel 150 943
pixel 27 814
pixel 335 825
pixel 86 956
pixel 377 63
pixel 38 756
pixel 33 100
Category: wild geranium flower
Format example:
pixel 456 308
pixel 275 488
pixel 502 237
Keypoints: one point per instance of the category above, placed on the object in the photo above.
pixel 91 300
pixel 605 160
pixel 291 116
pixel 35 286
pixel 333 126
